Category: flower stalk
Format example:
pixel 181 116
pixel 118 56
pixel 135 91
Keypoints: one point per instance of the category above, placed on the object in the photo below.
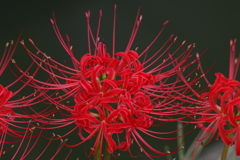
pixel 224 152
pixel 225 148
pixel 107 155
pixel 97 153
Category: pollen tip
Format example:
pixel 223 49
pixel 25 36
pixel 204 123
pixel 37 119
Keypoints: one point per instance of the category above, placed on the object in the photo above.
pixel 194 44
pixel 86 14
pixel 184 42
pixel 170 38
pixel 100 13
pixel 51 20
pixel 13 60
pixel 12 42
pixel 166 22
pixel 30 40
pixel 175 39
pixel 22 42
pixel 236 60
pixel 197 55
pixel 7 44
pixel 189 46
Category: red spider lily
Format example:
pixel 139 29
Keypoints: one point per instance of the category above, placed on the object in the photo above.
pixel 224 100
pixel 115 94
pixel 11 122
pixel 221 113
pixel 7 115
pixel 216 112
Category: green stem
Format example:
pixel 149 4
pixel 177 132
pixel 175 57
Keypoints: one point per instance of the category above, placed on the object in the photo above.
pixel 180 140
pixel 97 154
pixel 107 155
pixel 225 149
pixel 166 148
pixel 224 152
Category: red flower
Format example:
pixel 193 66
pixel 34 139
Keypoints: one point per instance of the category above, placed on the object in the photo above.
pixel 13 124
pixel 219 112
pixel 115 93
pixel 223 113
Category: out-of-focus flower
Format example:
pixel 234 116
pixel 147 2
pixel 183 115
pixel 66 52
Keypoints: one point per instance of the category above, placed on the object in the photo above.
pixel 14 124
pixel 215 111
pixel 221 113
pixel 224 98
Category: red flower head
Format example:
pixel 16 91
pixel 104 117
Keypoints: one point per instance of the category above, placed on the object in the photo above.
pixel 118 93
pixel 12 123
pixel 220 111
pixel 224 100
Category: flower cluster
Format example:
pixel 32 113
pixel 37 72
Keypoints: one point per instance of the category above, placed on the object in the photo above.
pixel 220 113
pixel 119 98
